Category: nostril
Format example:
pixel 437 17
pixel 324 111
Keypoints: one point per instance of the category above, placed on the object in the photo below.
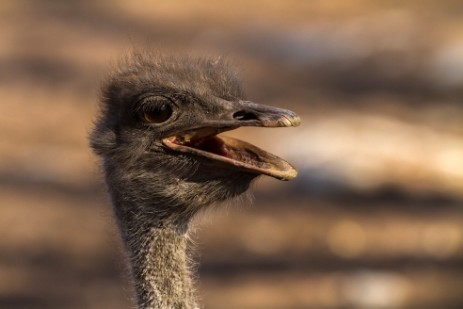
pixel 239 115
pixel 243 115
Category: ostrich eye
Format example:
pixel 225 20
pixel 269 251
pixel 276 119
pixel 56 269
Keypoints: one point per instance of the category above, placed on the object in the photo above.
pixel 158 114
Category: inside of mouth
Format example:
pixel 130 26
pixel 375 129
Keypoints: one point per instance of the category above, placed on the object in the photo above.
pixel 215 145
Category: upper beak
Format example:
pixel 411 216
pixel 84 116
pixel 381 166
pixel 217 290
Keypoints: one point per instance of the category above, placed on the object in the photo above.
pixel 253 114
pixel 246 113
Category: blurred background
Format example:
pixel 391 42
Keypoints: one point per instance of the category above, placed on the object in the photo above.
pixel 375 218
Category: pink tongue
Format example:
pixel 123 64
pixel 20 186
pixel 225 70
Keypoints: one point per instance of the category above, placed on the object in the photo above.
pixel 214 145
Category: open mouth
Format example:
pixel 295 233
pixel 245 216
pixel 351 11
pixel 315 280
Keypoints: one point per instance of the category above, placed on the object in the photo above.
pixel 205 142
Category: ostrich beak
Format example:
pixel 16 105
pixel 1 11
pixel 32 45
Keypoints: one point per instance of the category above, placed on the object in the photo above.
pixel 234 153
pixel 259 115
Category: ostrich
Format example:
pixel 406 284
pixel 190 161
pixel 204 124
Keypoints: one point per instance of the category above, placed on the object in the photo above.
pixel 157 136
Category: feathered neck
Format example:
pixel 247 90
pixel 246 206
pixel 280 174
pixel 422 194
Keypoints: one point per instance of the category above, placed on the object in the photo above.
pixel 159 264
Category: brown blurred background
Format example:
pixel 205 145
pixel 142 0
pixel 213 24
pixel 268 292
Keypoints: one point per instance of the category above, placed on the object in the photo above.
pixel 375 219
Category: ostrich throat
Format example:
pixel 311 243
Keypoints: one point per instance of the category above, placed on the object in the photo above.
pixel 159 264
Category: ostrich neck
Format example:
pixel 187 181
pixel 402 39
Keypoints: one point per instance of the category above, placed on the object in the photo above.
pixel 159 266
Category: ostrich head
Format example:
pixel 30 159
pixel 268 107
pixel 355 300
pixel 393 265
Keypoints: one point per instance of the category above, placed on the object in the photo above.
pixel 158 136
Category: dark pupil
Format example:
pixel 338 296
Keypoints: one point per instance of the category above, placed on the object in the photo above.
pixel 159 114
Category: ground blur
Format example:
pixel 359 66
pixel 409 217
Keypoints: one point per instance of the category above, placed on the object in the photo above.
pixel 375 218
